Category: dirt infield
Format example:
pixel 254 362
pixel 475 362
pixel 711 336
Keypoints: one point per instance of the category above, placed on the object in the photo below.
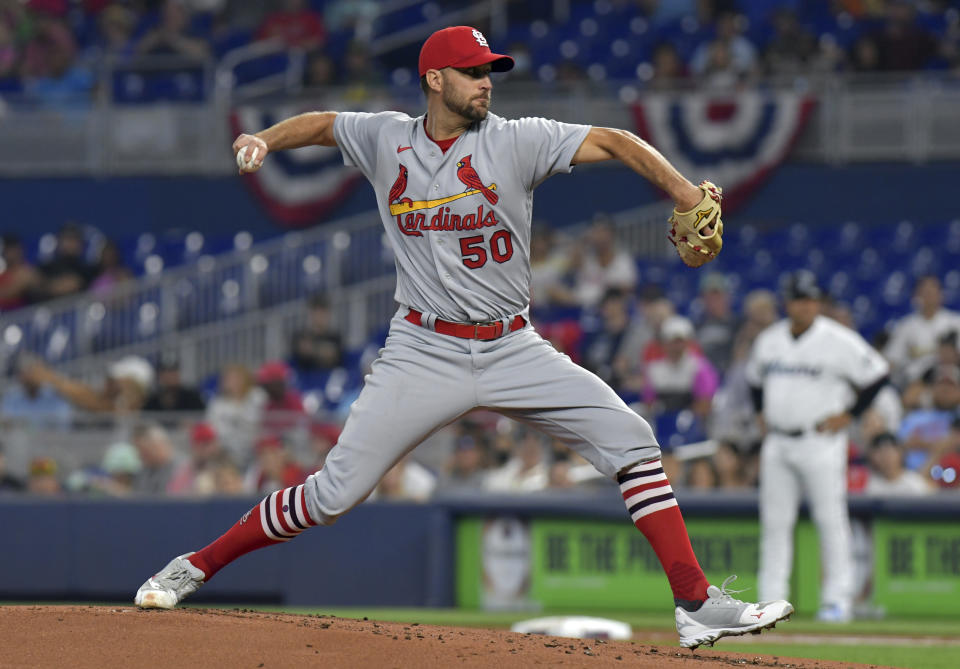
pixel 83 637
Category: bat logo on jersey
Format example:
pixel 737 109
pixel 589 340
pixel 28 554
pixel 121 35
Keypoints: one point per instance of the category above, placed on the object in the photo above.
pixel 411 221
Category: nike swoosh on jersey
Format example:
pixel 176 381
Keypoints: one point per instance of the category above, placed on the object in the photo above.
pixel 401 149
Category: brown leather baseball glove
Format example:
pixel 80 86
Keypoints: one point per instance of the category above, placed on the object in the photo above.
pixel 698 234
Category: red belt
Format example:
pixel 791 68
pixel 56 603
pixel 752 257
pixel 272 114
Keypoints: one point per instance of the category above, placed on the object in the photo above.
pixel 492 330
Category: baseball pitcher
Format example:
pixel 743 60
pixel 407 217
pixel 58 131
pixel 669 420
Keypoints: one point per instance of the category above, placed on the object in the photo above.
pixel 454 189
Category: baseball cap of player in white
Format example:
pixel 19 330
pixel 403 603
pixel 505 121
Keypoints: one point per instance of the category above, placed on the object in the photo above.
pixel 676 327
pixel 462 47
pixel 134 368
pixel 800 285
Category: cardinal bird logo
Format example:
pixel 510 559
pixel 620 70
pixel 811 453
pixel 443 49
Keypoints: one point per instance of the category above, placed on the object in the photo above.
pixel 469 176
pixel 399 186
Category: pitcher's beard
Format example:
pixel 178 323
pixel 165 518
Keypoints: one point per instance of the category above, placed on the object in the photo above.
pixel 466 109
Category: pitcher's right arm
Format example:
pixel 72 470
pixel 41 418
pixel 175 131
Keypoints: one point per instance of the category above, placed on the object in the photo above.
pixel 311 128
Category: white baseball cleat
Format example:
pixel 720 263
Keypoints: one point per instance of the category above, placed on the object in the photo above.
pixel 170 586
pixel 722 615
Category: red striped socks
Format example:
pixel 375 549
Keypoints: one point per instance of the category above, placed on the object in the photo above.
pixel 654 510
pixel 281 516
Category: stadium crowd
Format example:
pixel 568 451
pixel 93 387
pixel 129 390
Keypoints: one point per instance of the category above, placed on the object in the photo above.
pixel 682 366
pixel 52 51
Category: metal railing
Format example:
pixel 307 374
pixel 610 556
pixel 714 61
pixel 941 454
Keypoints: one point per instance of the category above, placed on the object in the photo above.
pixel 856 119
pixel 244 306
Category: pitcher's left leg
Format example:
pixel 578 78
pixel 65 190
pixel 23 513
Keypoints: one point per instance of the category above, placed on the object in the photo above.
pixel 527 379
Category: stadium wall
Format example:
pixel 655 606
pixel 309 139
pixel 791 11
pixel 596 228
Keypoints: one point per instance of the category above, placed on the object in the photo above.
pixel 557 549
pixel 122 207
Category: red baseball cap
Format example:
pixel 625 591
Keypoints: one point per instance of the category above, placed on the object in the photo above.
pixel 273 371
pixel 460 46
pixel 203 433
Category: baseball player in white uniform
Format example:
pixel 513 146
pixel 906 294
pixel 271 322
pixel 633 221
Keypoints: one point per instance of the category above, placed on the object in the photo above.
pixel 455 192
pixel 810 377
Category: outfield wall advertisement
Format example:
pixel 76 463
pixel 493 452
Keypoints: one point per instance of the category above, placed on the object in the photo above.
pixel 534 562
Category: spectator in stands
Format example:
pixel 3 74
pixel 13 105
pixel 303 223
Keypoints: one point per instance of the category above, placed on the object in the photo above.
pixel 35 405
pixel 124 391
pixel 121 464
pixel 9 51
pixel 701 474
pixel 865 54
pixel 903 44
pixel 760 312
pixel 196 476
pixel 668 66
pixel 50 47
pixel 274 467
pixel 406 481
pixel 913 342
pixel 728 58
pixel 602 264
pixel 717 327
pixel 550 278
pixel 734 470
pixel 732 420
pixel 467 466
pixel 18 278
pixel 604 351
pixel 923 429
pixel 683 379
pixel 115 25
pixel 791 48
pixel 236 411
pixel 227 477
pixel 158 458
pixel 361 73
pixel 43 479
pixel 110 271
pixel 295 24
pixel 171 36
pixel 67 272
pixel 8 482
pixel 323 437
pixel 320 72
pixel 319 346
pixel 887 475
pixel 283 409
pixel 919 393
pixel 525 471
pixel 569 470
pixel 171 393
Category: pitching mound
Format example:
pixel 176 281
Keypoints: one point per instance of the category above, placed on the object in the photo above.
pixel 84 637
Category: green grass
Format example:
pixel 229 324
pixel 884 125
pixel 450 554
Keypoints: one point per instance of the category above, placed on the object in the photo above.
pixel 907 657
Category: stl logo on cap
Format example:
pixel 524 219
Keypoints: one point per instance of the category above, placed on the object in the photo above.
pixel 481 40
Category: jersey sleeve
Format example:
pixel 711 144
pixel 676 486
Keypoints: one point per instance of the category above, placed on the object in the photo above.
pixel 358 134
pixel 545 147
pixel 863 364
pixel 754 367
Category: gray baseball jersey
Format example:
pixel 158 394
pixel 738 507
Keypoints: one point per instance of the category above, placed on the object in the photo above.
pixel 459 221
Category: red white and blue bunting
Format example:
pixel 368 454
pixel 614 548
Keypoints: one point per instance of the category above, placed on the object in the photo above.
pixel 736 142
pixel 297 188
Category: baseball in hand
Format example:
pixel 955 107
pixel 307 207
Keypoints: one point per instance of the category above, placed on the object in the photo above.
pixel 248 165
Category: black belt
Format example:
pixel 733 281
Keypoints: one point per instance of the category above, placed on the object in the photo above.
pixel 786 433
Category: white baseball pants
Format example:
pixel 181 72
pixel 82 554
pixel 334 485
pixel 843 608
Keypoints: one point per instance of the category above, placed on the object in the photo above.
pixel 813 466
